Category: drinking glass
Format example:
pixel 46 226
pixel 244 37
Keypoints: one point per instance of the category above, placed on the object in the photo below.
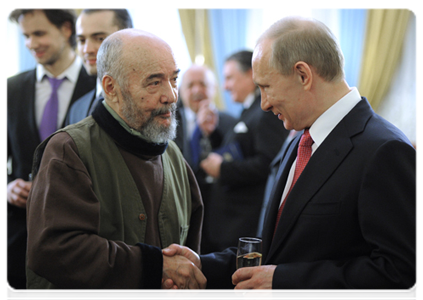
pixel 249 252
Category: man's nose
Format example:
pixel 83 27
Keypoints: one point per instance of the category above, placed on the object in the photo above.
pixel 170 93
pixel 265 105
pixel 88 46
pixel 31 43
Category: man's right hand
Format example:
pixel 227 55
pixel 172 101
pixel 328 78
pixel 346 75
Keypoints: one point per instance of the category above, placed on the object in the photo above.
pixel 183 273
pixel 176 249
pixel 18 191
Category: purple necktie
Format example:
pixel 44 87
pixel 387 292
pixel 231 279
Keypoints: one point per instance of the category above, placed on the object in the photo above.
pixel 49 121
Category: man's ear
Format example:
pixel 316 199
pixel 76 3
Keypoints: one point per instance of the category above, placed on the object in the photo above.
pixel 304 73
pixel 249 73
pixel 66 29
pixel 110 88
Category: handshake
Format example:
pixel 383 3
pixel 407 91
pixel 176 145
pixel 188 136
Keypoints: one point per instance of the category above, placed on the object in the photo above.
pixel 182 269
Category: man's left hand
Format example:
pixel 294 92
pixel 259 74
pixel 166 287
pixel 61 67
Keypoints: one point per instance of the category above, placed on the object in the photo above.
pixel 254 277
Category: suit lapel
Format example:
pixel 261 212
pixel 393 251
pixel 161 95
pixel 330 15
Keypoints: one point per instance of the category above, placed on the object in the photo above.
pixel 28 100
pixel 276 194
pixel 84 84
pixel 93 102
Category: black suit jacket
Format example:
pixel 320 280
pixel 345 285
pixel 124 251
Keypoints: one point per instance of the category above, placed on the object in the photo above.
pixel 349 222
pixel 22 139
pixel 238 196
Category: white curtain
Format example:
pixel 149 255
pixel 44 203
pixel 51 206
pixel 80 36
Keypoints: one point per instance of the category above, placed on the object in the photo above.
pixel 399 105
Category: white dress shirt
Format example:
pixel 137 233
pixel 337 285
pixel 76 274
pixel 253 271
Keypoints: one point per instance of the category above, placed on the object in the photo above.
pixel 324 125
pixel 190 117
pixel 64 93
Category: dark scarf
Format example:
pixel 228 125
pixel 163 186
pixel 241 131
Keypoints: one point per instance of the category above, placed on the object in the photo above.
pixel 122 137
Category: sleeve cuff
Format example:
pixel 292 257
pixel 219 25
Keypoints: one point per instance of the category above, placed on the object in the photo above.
pixel 152 266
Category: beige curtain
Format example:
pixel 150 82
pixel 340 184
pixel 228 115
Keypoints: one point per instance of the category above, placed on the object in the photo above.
pixel 78 11
pixel 195 26
pixel 384 40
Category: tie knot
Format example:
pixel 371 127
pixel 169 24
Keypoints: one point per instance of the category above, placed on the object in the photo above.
pixel 306 140
pixel 55 82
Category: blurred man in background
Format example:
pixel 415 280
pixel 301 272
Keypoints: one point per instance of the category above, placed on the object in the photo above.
pixel 37 105
pixel 92 27
pixel 201 126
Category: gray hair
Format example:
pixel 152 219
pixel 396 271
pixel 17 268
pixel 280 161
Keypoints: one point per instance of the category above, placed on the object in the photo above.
pixel 299 39
pixel 110 60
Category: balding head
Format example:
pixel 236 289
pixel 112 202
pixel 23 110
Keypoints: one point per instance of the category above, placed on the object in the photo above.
pixel 198 84
pixel 129 49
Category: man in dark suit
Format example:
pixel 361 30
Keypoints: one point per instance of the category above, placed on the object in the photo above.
pixel 50 36
pixel 238 195
pixel 92 27
pixel 201 126
pixel 350 219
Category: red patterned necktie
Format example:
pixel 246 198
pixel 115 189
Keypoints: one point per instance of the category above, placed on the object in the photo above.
pixel 303 156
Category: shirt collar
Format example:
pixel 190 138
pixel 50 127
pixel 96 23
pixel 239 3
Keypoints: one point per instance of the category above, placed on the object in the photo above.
pixel 71 73
pixel 249 100
pixel 189 114
pixel 98 88
pixel 323 126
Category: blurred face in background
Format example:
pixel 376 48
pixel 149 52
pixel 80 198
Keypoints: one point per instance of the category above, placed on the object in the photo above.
pixel 238 83
pixel 198 86
pixel 46 42
pixel 91 30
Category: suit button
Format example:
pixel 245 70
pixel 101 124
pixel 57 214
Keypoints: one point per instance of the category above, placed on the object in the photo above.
pixel 142 217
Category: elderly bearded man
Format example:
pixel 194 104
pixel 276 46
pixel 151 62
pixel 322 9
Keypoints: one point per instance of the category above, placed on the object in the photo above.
pixel 112 190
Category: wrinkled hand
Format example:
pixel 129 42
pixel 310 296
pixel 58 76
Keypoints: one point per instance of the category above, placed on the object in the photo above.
pixel 254 277
pixel 211 164
pixel 168 290
pixel 18 191
pixel 183 273
pixel 207 118
pixel 176 249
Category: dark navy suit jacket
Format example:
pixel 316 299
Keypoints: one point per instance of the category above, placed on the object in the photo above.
pixel 350 220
